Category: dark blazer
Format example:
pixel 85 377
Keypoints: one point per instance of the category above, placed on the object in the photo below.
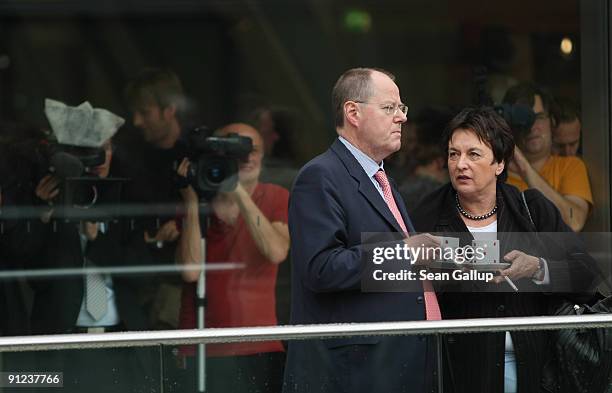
pixel 332 204
pixel 57 301
pixel 475 362
pixel 12 299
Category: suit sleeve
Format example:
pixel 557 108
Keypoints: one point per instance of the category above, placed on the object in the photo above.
pixel 321 250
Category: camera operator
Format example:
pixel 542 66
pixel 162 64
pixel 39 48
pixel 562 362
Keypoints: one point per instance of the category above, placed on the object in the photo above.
pixel 248 226
pixel 94 302
pixel 563 180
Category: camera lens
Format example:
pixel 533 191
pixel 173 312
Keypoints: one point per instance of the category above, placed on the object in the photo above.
pixel 216 173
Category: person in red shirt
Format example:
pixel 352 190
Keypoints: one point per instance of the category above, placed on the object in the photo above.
pixel 248 227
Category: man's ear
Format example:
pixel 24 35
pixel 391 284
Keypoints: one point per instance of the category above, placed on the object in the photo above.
pixel 351 113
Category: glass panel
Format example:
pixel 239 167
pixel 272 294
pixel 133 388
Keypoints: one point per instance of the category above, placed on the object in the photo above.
pixel 470 361
pixel 236 367
pixel 80 370
pixel 100 200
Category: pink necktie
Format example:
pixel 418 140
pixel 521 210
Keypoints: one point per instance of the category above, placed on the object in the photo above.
pixel 432 309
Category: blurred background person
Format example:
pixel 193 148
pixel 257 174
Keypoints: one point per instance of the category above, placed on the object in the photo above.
pixel 17 142
pixel 158 104
pixel 277 128
pixel 568 132
pixel 429 174
pixel 248 226
pixel 563 180
pixel 427 169
pixel 17 170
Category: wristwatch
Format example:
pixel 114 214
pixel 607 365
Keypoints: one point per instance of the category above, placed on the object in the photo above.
pixel 539 274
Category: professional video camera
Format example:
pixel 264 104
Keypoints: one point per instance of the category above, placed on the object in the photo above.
pixel 71 161
pixel 81 188
pixel 519 117
pixel 215 160
pixel 72 152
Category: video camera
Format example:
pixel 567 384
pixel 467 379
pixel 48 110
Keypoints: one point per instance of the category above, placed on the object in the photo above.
pixel 215 160
pixel 519 117
pixel 81 188
pixel 71 161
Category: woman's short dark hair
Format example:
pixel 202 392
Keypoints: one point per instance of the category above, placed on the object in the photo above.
pixel 490 128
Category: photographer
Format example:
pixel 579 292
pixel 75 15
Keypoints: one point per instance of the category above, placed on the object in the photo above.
pixel 563 180
pixel 248 226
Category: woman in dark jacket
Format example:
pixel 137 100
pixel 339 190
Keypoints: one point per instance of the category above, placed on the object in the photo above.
pixel 477 204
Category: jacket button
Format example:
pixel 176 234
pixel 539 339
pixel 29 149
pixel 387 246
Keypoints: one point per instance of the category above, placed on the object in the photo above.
pixel 419 299
pixel 501 308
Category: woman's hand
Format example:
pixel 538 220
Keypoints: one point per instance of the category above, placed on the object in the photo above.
pixel 523 266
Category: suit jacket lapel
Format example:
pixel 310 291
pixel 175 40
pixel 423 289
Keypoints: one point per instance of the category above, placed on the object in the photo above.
pixel 366 188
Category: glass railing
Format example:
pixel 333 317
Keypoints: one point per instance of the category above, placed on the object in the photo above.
pixel 245 359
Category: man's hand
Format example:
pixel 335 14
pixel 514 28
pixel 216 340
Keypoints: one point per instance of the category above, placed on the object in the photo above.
pixel 187 193
pixel 91 230
pixel 519 163
pixel 573 209
pixel 47 188
pixel 235 195
pixel 166 233
pixel 523 266
pixel 226 208
pixel 423 241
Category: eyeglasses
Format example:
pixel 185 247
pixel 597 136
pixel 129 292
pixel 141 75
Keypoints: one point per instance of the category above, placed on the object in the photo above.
pixel 390 109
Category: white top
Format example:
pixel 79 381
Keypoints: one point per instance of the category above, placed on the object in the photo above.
pixel 485 233
pixel 476 231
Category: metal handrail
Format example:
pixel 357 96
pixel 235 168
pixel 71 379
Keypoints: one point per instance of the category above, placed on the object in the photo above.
pixel 130 269
pixel 299 332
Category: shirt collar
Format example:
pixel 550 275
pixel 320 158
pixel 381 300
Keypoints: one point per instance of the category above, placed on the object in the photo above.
pixel 367 163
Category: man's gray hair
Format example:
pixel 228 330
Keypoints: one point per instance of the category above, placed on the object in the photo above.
pixel 353 85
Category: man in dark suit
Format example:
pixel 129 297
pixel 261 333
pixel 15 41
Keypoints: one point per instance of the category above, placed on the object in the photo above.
pixel 92 303
pixel 337 197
